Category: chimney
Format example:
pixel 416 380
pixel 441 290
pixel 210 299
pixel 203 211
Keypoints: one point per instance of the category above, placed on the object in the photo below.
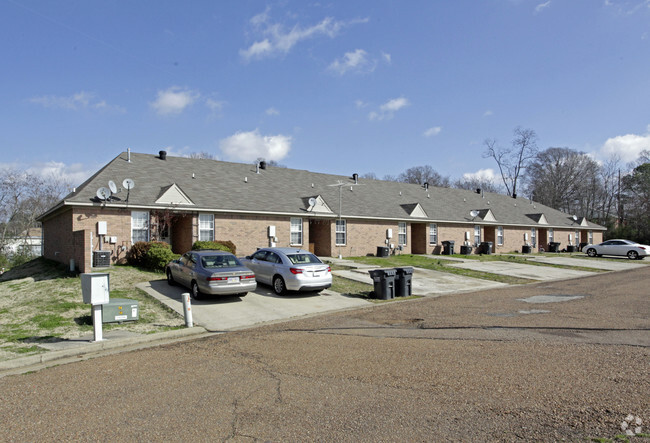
pixel 163 155
pixel 355 177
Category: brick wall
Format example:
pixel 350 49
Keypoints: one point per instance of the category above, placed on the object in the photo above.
pixel 58 243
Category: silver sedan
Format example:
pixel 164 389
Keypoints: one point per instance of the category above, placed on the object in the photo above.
pixel 211 272
pixel 289 269
pixel 628 248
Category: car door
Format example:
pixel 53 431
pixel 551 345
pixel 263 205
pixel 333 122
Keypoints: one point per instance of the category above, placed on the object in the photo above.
pixel 187 268
pixel 618 247
pixel 259 265
pixel 177 269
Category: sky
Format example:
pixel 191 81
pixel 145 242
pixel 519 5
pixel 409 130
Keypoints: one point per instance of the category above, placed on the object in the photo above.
pixel 338 87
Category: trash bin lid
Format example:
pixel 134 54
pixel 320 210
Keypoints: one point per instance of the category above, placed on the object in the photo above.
pixel 405 271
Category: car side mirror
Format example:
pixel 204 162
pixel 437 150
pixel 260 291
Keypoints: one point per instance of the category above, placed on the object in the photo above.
pixel 248 257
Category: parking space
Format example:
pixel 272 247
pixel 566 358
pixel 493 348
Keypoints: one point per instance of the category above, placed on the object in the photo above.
pixel 607 264
pixel 225 313
pixel 532 272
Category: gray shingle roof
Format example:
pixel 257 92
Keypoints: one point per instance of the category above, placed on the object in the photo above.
pixel 219 186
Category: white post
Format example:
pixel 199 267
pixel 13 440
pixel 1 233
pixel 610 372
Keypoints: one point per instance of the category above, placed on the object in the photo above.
pixel 97 322
pixel 187 309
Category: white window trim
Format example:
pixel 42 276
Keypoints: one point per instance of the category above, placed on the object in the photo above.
pixel 401 234
pixel 433 232
pixel 551 235
pixel 344 231
pixel 293 231
pixel 533 237
pixel 500 235
pixel 145 228
pixel 209 228
pixel 477 235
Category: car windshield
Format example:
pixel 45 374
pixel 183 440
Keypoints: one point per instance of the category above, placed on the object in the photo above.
pixel 219 261
pixel 303 259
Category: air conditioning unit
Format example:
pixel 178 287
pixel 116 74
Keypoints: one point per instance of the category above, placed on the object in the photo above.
pixel 101 259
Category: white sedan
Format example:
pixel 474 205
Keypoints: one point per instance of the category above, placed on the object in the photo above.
pixel 632 249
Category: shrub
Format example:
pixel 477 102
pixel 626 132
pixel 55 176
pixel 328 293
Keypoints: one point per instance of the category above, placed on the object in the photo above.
pixel 137 255
pixel 158 256
pixel 222 245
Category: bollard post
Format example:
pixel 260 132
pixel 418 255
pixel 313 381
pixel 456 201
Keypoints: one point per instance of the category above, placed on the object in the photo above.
pixel 97 323
pixel 187 309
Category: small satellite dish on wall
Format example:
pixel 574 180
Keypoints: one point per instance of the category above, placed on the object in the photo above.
pixel 128 184
pixel 312 201
pixel 473 213
pixel 103 193
pixel 112 186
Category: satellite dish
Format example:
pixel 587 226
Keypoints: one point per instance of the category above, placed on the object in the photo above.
pixel 473 213
pixel 103 193
pixel 112 186
pixel 312 201
pixel 575 218
pixel 128 184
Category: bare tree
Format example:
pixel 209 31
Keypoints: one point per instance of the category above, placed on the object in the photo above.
pixel 202 155
pixel 424 174
pixel 512 162
pixel 477 183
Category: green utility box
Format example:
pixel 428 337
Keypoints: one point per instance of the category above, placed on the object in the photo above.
pixel 119 310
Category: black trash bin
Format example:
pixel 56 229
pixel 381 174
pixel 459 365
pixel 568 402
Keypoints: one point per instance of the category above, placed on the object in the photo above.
pixel 525 249
pixel 582 245
pixel 448 247
pixel 382 251
pixel 403 281
pixel 571 248
pixel 553 247
pixel 465 250
pixel 486 247
pixel 384 283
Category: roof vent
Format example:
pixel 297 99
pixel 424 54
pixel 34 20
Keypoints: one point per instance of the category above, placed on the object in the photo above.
pixel 355 177
pixel 514 195
pixel 163 155
pixel 262 164
pixel 426 186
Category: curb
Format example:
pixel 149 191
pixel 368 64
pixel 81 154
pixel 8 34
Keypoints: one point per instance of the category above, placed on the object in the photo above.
pixel 105 345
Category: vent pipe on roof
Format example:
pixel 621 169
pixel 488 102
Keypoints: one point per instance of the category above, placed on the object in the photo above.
pixel 128 155
pixel 163 155
pixel 262 164
pixel 355 177
pixel 426 186
pixel 514 195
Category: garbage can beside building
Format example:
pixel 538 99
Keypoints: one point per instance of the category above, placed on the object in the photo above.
pixel 553 247
pixel 486 247
pixel 448 247
pixel 384 283
pixel 403 281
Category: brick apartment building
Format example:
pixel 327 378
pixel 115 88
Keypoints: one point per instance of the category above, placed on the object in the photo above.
pixel 181 200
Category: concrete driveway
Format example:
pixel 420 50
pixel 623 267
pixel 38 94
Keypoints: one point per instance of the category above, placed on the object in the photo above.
pixel 225 313
pixel 531 272
pixel 607 264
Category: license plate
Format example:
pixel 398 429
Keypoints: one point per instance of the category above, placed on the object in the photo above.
pixel 317 274
pixel 233 279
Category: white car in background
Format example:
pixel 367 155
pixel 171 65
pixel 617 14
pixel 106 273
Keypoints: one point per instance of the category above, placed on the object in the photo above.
pixel 633 250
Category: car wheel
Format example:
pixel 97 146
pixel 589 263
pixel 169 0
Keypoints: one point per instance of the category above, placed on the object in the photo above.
pixel 591 252
pixel 196 294
pixel 632 255
pixel 278 285
pixel 170 279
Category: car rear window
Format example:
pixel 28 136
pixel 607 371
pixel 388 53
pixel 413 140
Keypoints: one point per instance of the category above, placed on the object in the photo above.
pixel 219 261
pixel 303 259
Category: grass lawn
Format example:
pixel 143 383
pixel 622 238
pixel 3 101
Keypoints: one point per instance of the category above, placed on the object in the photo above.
pixel 41 301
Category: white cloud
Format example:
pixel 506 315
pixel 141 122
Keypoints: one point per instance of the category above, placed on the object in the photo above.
pixel 279 41
pixel 215 105
pixel 540 7
pixel 74 102
pixel 353 61
pixel 627 147
pixel 360 104
pixel 272 111
pixel 388 109
pixel 488 113
pixel 248 146
pixel 432 131
pixel 174 100
pixel 485 175
pixel 387 58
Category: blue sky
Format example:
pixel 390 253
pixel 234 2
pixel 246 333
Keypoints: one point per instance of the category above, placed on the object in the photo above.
pixel 336 87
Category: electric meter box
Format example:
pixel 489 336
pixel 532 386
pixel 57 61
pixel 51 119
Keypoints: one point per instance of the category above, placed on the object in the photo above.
pixel 94 287
pixel 119 310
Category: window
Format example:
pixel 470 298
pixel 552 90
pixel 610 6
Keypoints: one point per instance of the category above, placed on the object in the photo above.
pixel 590 237
pixel 139 226
pixel 206 227
pixel 433 234
pixel 296 231
pixel 401 236
pixel 477 235
pixel 577 242
pixel 551 235
pixel 341 232
pixel 500 235
pixel 533 237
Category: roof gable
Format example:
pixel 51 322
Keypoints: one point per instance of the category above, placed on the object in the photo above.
pixel 173 195
pixel 318 205
pixel 415 210
pixel 487 215
pixel 540 219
